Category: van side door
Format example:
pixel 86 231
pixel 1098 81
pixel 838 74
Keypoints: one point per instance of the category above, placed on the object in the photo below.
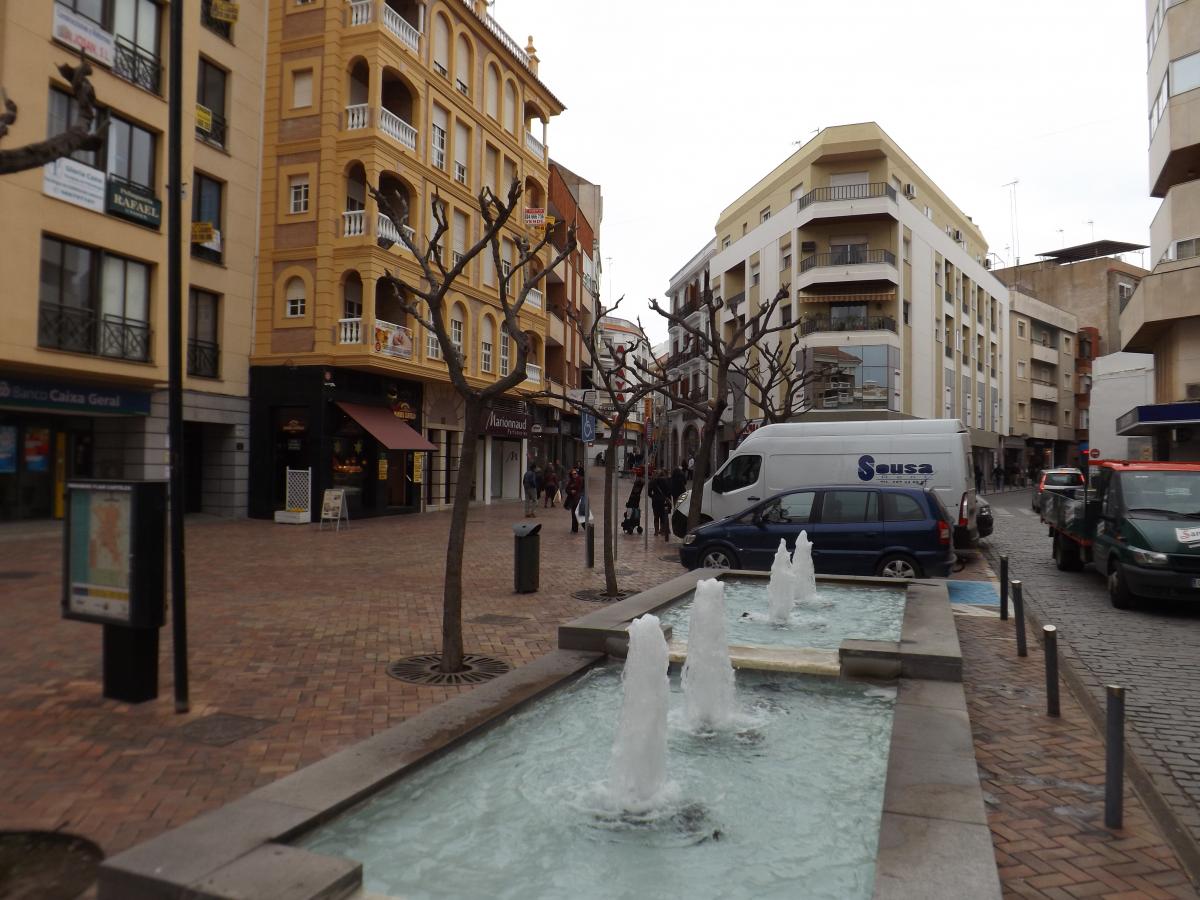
pixel 737 485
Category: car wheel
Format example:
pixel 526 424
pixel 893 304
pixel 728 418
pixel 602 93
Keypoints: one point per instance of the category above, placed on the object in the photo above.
pixel 1118 591
pixel 717 558
pixel 896 565
pixel 1066 555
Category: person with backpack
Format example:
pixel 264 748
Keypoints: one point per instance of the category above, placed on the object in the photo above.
pixel 530 484
pixel 574 492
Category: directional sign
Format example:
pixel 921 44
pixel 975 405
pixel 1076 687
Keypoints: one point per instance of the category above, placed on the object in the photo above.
pixel 588 427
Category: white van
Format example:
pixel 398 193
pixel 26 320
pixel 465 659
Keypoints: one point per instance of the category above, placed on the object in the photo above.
pixel 934 453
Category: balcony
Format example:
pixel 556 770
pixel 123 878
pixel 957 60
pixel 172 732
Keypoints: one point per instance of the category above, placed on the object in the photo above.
pixel 403 29
pixel 1044 390
pixel 203 359
pixel 534 299
pixel 874 200
pixel 136 66
pixel 350 331
pixel 1043 353
pixel 852 264
pixel 534 146
pixel 354 223
pixel 386 229
pixel 1043 429
pixel 388 338
pixel 556 332
pixel 814 324
pixel 358 117
pixel 533 374
pixel 82 331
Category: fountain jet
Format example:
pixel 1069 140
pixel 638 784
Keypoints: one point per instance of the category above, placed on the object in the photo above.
pixel 638 770
pixel 781 591
pixel 708 688
pixel 805 584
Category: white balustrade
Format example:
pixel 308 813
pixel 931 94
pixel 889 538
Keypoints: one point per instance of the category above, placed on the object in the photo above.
pixel 386 229
pixel 350 331
pixel 534 299
pixel 533 374
pixel 354 221
pixel 401 28
pixel 534 146
pixel 360 12
pixel 357 116
pixel 395 127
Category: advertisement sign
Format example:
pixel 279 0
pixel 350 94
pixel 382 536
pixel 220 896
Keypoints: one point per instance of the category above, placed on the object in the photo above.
pixel 535 216
pixel 224 11
pixel 122 200
pixel 382 465
pixel 78 31
pixel 37 449
pixel 16 392
pixel 99 563
pixel 203 118
pixel 418 467
pixel 66 179
pixel 203 232
pixel 8 449
pixel 393 340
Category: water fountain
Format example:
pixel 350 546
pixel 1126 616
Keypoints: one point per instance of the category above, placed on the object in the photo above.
pixel 802 568
pixel 708 687
pixel 638 768
pixel 781 591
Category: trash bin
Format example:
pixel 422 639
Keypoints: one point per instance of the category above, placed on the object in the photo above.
pixel 526 557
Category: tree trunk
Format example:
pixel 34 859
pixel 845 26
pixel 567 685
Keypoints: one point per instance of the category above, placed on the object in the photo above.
pixel 610 510
pixel 452 593
pixel 703 457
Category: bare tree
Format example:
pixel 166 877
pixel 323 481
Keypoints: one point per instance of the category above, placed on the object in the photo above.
pixel 775 381
pixel 428 304
pixel 723 350
pixel 88 132
pixel 620 388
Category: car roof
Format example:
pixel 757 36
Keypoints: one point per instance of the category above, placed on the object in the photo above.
pixel 1061 470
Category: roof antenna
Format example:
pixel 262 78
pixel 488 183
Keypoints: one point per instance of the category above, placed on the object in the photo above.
pixel 1012 218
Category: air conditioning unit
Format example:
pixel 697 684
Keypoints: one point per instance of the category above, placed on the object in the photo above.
pixel 1193 390
pixel 910 190
pixel 808 246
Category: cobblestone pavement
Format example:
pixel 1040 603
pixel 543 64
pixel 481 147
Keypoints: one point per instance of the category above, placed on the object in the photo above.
pixel 1043 784
pixel 290 630
pixel 1154 651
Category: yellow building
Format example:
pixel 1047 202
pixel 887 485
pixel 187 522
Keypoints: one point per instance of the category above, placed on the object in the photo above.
pixel 427 99
pixel 83 306
pixel 1162 316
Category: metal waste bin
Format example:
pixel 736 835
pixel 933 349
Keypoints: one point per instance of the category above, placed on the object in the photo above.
pixel 526 557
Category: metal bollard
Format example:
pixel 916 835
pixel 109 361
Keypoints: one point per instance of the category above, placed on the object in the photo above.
pixel 1050 645
pixel 589 536
pixel 1019 616
pixel 1003 587
pixel 1114 758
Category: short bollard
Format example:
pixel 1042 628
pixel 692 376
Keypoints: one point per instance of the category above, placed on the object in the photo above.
pixel 1114 758
pixel 589 534
pixel 1050 645
pixel 1003 587
pixel 1019 616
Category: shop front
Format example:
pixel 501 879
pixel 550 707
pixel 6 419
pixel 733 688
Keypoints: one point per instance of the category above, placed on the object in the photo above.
pixel 504 456
pixel 48 435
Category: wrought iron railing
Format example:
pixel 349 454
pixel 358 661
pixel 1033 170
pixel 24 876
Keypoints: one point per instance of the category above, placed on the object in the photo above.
pixel 137 66
pixel 81 331
pixel 203 359
pixel 124 338
pixel 851 256
pixel 216 134
pixel 813 324
pixel 848 192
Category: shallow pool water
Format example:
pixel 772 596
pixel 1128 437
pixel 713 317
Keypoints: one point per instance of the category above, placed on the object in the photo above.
pixel 787 805
pixel 839 611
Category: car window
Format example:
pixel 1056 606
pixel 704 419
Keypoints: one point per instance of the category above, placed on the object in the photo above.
pixel 739 472
pixel 901 508
pixel 1064 479
pixel 791 508
pixel 843 507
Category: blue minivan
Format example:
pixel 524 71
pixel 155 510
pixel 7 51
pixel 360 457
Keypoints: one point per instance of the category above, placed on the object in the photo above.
pixel 896 532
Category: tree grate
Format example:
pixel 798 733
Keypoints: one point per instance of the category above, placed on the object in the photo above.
pixel 598 595
pixel 424 669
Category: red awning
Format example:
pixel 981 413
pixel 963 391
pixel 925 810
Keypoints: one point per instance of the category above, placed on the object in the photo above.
pixel 387 429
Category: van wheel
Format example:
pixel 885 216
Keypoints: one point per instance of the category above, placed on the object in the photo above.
pixel 1066 555
pixel 897 565
pixel 717 558
pixel 1118 591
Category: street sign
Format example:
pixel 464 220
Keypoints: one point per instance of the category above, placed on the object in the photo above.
pixel 588 427
pixel 582 395
pixel 1094 453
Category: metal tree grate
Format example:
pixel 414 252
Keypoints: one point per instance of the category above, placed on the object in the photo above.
pixel 597 595
pixel 424 669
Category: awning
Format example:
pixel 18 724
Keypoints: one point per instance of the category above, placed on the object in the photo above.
pixel 1143 420
pixel 385 427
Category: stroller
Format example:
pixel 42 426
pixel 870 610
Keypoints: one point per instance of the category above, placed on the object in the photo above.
pixel 632 520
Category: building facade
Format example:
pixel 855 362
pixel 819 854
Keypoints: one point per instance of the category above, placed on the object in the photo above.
pixel 623 344
pixel 424 101
pixel 1043 348
pixel 889 296
pixel 1162 317
pixel 83 350
pixel 687 365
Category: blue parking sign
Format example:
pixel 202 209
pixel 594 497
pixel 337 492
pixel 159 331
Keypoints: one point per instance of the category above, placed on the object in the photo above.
pixel 588 427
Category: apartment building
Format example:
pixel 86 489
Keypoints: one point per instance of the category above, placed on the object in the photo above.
pixel 623 345
pixel 83 349
pixel 1043 348
pixel 421 100
pixel 687 362
pixel 889 296
pixel 1162 316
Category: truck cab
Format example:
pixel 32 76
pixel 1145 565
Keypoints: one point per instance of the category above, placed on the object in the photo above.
pixel 1138 523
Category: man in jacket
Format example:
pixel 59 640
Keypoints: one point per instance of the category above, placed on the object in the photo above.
pixel 530 484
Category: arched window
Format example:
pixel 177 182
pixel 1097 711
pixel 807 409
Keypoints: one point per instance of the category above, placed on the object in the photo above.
pixel 504 349
pixel 510 106
pixel 441 45
pixel 493 93
pixel 462 65
pixel 294 294
pixel 486 336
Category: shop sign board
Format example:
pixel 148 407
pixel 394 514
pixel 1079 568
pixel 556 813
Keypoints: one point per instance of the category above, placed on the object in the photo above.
pixel 382 467
pixel 333 508
pixel 128 203
pixel 418 474
pixel 15 392
pixel 115 571
pixel 503 423
pixel 72 181
pixel 79 31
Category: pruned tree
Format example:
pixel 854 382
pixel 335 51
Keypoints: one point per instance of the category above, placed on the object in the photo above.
pixel 724 347
pixel 88 132
pixel 428 303
pixel 776 383
pixel 620 388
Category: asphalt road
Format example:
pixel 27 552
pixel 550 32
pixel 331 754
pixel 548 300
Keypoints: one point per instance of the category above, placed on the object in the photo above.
pixel 1153 651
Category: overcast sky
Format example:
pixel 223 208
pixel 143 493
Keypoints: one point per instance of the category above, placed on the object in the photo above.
pixel 675 107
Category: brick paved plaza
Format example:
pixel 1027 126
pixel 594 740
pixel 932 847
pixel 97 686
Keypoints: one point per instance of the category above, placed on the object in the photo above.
pixel 291 629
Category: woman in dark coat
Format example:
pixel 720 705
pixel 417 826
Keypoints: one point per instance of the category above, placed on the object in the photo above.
pixel 573 492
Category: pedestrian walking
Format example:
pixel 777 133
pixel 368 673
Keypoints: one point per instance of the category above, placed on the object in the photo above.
pixel 550 486
pixel 660 502
pixel 691 469
pixel 978 479
pixel 573 494
pixel 530 484
pixel 679 483
pixel 998 477
pixel 633 507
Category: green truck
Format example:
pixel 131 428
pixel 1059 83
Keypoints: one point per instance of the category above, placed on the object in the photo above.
pixel 1137 523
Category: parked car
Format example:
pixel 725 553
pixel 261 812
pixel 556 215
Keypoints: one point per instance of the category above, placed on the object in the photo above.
pixel 855 530
pixel 915 453
pixel 983 518
pixel 1057 480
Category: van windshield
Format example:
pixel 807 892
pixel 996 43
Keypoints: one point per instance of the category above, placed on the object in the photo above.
pixel 739 472
pixel 1169 493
